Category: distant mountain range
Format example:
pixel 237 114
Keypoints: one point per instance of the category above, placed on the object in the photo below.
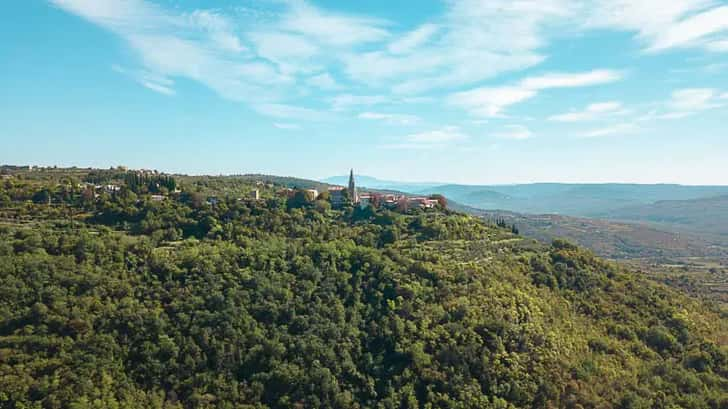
pixel 708 216
pixel 615 220
pixel 585 200
pixel 380 184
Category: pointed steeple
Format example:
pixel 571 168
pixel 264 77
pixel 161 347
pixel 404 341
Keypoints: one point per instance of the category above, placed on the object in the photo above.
pixel 353 194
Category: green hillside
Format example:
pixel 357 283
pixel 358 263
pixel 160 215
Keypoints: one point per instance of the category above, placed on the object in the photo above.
pixel 126 300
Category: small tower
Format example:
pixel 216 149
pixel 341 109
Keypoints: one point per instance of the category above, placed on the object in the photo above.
pixel 353 194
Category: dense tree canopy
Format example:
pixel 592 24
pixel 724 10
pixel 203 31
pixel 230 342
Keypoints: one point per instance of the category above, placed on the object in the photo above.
pixel 116 301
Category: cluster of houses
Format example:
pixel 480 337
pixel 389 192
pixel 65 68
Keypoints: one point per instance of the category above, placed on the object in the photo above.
pixel 110 189
pixel 340 195
pixel 388 200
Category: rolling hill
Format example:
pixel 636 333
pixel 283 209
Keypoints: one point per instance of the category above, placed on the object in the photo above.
pixel 704 215
pixel 610 239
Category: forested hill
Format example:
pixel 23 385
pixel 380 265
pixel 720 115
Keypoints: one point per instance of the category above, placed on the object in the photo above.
pixel 152 297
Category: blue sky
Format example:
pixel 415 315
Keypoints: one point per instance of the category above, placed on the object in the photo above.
pixel 461 91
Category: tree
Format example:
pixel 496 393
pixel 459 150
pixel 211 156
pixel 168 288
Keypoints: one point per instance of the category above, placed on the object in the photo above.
pixel 43 196
pixel 441 200
pixel 300 198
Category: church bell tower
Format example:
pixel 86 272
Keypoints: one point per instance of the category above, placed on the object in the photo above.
pixel 353 194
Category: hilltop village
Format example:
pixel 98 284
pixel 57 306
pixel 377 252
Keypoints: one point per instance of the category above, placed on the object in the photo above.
pixel 144 184
pixel 340 196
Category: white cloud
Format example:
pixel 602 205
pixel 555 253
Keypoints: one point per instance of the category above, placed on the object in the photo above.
pixel 491 101
pixel 154 82
pixel 438 136
pixel 395 119
pixel 675 115
pixel 692 99
pixel 291 53
pixel 201 46
pixel 323 81
pixel 346 101
pixel 690 30
pixel 286 126
pixel 570 80
pixel 220 29
pixel 413 39
pixel 686 102
pixel 659 24
pixel 618 129
pixel 591 112
pixel 291 112
pixel 514 132
pixel 329 28
pixel 462 48
pixel 433 139
pixel 717 46
pixel 410 146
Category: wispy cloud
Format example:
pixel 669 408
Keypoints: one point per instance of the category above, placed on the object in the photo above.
pixel 432 139
pixel 292 112
pixel 438 136
pixel 201 46
pixel 491 101
pixel 461 49
pixel 286 126
pixel 155 82
pixel 347 101
pixel 410 41
pixel 692 30
pixel 323 81
pixel 331 28
pixel 395 119
pixel 685 102
pixel 659 24
pixel 571 80
pixel 514 132
pixel 612 130
pixel 693 99
pixel 592 112
pixel 719 46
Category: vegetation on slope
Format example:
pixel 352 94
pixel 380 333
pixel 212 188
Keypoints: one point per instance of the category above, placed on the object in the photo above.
pixel 121 301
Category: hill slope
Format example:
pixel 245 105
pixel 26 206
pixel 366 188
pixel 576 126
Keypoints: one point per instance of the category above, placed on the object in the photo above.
pixel 129 302
pixel 610 239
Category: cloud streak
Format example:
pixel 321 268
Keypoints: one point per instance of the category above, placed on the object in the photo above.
pixel 592 112
pixel 612 130
pixel 491 101
pixel 660 25
pixel 517 132
pixel 394 119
